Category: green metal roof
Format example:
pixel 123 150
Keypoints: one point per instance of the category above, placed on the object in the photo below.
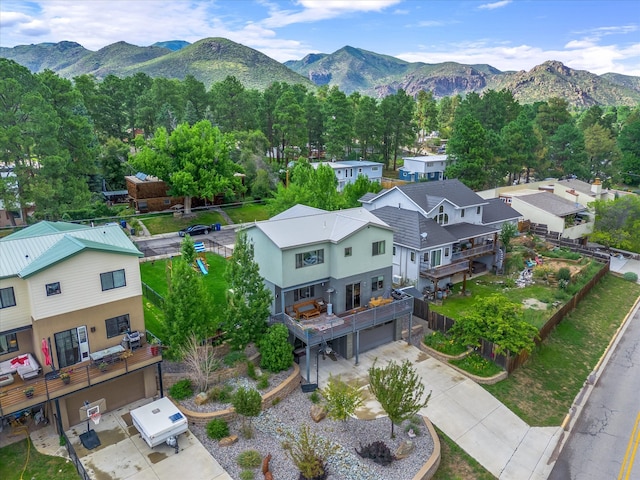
pixel 37 247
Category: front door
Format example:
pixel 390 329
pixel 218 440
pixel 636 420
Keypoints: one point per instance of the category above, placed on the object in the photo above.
pixel 68 347
pixel 352 296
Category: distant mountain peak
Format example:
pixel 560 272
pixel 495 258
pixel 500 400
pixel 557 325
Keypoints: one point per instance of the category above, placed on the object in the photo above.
pixel 173 45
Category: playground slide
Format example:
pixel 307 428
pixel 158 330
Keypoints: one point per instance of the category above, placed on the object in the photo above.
pixel 202 266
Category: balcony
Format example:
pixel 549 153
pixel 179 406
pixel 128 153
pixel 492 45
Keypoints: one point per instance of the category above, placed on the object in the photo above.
pixel 84 375
pixel 327 327
pixel 473 252
pixel 445 270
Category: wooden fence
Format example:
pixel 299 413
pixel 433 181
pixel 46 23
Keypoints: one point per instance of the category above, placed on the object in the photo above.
pixel 441 323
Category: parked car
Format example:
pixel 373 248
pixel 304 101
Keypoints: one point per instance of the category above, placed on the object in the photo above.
pixel 195 230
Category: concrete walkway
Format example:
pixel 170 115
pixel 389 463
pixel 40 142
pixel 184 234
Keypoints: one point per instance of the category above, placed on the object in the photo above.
pixel 487 430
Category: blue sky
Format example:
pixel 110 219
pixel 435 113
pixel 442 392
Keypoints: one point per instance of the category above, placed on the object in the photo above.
pixel 599 36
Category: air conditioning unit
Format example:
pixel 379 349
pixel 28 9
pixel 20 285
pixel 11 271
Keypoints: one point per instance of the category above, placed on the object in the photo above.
pixel 397 279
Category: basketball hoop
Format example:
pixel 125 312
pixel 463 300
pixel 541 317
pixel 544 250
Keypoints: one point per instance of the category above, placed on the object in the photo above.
pixel 95 418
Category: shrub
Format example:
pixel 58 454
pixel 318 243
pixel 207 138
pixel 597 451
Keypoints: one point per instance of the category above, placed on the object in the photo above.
pixel 249 459
pixel 415 424
pixel 251 370
pixel 233 357
pixel 309 452
pixel 263 382
pixel 376 451
pixel 630 277
pixel 314 397
pixel 221 394
pixel 275 401
pixel 247 475
pixel 342 398
pixel 564 274
pixel 444 343
pixel 181 389
pixel 247 402
pixel 275 349
pixel 476 364
pixel 217 429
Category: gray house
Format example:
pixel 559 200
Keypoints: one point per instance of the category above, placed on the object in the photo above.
pixel 330 277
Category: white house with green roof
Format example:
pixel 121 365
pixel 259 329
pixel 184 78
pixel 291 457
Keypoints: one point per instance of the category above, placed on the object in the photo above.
pixel 77 290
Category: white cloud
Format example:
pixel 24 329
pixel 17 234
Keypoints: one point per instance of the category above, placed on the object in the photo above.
pixel 9 19
pixel 494 5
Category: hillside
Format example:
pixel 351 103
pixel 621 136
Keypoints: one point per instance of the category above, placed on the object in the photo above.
pixel 351 69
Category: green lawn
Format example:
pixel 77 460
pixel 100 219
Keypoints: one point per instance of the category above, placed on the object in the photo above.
pixel 543 389
pixel 155 274
pixel 167 223
pixel 456 464
pixel 247 213
pixel 13 458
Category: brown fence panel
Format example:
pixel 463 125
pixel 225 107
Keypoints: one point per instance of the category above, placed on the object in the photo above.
pixel 420 308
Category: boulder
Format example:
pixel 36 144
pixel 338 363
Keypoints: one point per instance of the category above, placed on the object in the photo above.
pixel 404 449
pixel 227 441
pixel 201 398
pixel 318 412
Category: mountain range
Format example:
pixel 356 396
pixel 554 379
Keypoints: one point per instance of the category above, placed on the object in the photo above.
pixel 351 69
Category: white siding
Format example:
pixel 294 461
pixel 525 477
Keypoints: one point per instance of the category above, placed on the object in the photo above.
pixel 80 284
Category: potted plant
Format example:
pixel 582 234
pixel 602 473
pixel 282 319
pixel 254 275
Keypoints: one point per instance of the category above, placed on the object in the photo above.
pixel 155 346
pixel 28 392
pixel 103 366
pixel 65 377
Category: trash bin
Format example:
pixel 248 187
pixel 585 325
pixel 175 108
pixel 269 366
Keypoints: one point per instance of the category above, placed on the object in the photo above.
pixel 123 223
pixel 218 226
pixel 133 231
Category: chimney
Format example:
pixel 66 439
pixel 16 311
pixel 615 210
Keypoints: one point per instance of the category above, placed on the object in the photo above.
pixel 596 188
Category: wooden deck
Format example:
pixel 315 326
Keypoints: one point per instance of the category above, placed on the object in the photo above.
pixel 84 375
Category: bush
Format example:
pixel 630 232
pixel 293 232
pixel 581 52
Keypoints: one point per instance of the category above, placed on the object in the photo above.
pixel 221 394
pixel 249 459
pixel 251 370
pixel 564 274
pixel 263 382
pixel 181 389
pixel 376 451
pixel 444 343
pixel 217 429
pixel 415 424
pixel 247 475
pixel 630 277
pixel 234 357
pixel 314 397
pixel 275 349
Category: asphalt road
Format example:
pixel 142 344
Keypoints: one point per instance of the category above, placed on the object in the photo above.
pixel 168 244
pixel 605 438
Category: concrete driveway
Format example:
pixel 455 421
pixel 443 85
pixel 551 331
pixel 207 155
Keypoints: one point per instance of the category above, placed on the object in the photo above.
pixel 486 429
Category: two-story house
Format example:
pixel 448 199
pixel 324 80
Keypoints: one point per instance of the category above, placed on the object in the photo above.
pixel 68 295
pixel 330 277
pixel 348 171
pixel 441 228
pixel 423 168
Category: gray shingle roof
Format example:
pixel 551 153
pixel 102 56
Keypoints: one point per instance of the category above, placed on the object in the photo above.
pixel 577 185
pixel 498 211
pixel 553 204
pixel 465 230
pixel 408 226
pixel 429 194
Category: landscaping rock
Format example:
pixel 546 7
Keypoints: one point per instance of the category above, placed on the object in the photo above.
pixel 404 449
pixel 201 398
pixel 227 441
pixel 318 412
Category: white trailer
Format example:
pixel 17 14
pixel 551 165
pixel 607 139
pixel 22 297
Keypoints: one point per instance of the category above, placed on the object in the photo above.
pixel 159 422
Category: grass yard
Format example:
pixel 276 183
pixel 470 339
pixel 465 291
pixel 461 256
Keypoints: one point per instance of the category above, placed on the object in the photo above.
pixel 542 391
pixel 247 213
pixel 155 274
pixel 167 223
pixel 39 466
pixel 455 464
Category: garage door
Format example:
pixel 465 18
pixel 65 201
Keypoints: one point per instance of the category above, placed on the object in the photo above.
pixel 376 336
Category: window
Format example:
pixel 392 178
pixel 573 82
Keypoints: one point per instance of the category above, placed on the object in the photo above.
pixel 394 251
pixel 442 218
pixel 167 201
pixel 413 256
pixel 377 283
pixel 8 343
pixel 446 251
pixel 436 258
pixel 7 298
pixel 377 248
pixel 462 213
pixel 117 325
pixel 307 259
pixel 347 252
pixel 53 289
pixel 111 280
pixel 477 210
pixel 304 292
